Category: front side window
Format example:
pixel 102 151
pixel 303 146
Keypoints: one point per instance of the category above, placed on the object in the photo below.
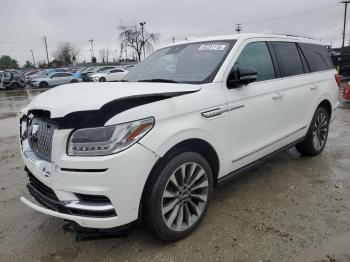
pixel 194 63
pixel 257 56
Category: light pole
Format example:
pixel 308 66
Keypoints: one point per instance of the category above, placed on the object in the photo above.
pixel 47 54
pixel 32 57
pixel 142 24
pixel 92 48
pixel 238 28
pixel 346 7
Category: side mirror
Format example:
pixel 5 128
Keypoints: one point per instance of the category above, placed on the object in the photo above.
pixel 241 76
pixel 51 76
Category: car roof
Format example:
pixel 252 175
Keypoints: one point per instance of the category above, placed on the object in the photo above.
pixel 250 36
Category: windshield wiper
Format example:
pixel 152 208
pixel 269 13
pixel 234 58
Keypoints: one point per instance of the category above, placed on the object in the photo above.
pixel 160 80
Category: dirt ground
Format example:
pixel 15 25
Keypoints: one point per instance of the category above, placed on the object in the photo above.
pixel 291 208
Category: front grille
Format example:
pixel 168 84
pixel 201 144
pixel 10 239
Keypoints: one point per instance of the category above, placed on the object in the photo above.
pixel 40 138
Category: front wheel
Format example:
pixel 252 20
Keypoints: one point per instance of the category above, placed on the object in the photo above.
pixel 102 79
pixel 43 85
pixel 317 134
pixel 177 201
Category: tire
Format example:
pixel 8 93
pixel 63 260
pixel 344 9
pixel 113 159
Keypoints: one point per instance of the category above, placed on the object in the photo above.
pixel 102 79
pixel 74 81
pixel 43 85
pixel 317 134
pixel 179 203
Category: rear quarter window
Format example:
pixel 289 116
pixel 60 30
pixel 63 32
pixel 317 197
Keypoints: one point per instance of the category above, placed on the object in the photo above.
pixel 317 56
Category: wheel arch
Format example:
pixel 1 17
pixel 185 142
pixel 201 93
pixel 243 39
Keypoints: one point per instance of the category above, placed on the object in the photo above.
pixel 192 144
pixel 326 104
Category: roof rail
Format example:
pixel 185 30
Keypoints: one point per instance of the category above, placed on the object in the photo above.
pixel 301 35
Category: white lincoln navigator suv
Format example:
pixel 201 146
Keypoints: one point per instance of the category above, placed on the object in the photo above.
pixel 189 117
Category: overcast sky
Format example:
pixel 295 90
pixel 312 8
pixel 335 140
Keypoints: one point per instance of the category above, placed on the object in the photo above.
pixel 24 23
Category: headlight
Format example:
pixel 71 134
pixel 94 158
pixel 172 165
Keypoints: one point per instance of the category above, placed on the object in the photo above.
pixel 108 140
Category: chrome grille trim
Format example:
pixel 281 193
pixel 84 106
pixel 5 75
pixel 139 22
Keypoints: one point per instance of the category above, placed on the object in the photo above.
pixel 40 138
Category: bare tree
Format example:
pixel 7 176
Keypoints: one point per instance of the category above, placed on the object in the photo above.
pixel 104 54
pixel 137 38
pixel 66 53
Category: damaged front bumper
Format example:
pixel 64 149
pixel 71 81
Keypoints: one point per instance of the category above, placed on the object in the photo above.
pixel 94 192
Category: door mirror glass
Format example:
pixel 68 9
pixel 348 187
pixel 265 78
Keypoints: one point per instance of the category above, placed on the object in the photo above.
pixel 241 76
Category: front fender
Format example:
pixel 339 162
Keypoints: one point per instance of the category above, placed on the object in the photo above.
pixel 169 133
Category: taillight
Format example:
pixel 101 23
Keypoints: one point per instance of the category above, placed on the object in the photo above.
pixel 338 79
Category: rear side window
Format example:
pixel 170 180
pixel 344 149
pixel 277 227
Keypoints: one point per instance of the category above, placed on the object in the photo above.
pixel 317 56
pixel 257 55
pixel 288 58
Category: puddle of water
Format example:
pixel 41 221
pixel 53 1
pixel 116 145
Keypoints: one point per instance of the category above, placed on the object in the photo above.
pixel 15 100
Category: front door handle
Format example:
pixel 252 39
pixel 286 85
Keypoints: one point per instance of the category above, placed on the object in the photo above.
pixel 314 87
pixel 277 96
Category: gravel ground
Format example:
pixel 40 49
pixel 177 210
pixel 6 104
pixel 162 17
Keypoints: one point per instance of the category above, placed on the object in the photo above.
pixel 291 208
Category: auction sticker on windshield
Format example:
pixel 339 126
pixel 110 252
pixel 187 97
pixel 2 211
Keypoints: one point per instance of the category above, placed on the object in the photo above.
pixel 212 47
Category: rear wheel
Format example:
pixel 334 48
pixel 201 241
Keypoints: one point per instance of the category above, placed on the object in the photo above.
pixel 177 201
pixel 317 134
pixel 102 79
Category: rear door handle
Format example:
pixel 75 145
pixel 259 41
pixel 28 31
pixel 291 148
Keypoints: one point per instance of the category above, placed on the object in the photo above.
pixel 277 96
pixel 314 87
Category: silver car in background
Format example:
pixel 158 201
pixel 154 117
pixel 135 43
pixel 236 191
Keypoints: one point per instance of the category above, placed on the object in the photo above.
pixel 55 79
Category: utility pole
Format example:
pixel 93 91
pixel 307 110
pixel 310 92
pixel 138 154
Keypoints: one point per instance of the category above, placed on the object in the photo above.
pixel 47 54
pixel 142 24
pixel 173 38
pixel 346 8
pixel 238 28
pixel 92 48
pixel 32 57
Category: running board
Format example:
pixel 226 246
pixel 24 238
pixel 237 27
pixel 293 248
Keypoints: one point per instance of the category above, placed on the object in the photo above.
pixel 256 163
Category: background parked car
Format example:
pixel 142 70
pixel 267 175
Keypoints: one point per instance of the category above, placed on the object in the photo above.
pixel 11 79
pixel 45 73
pixel 346 92
pixel 110 75
pixel 93 70
pixel 55 79
pixel 129 67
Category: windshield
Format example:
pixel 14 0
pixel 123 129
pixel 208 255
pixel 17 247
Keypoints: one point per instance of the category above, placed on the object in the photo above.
pixel 195 63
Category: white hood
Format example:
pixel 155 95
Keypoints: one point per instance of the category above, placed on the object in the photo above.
pixel 69 98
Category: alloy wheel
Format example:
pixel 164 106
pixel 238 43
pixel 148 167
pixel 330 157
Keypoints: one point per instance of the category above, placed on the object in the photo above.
pixel 185 196
pixel 320 131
